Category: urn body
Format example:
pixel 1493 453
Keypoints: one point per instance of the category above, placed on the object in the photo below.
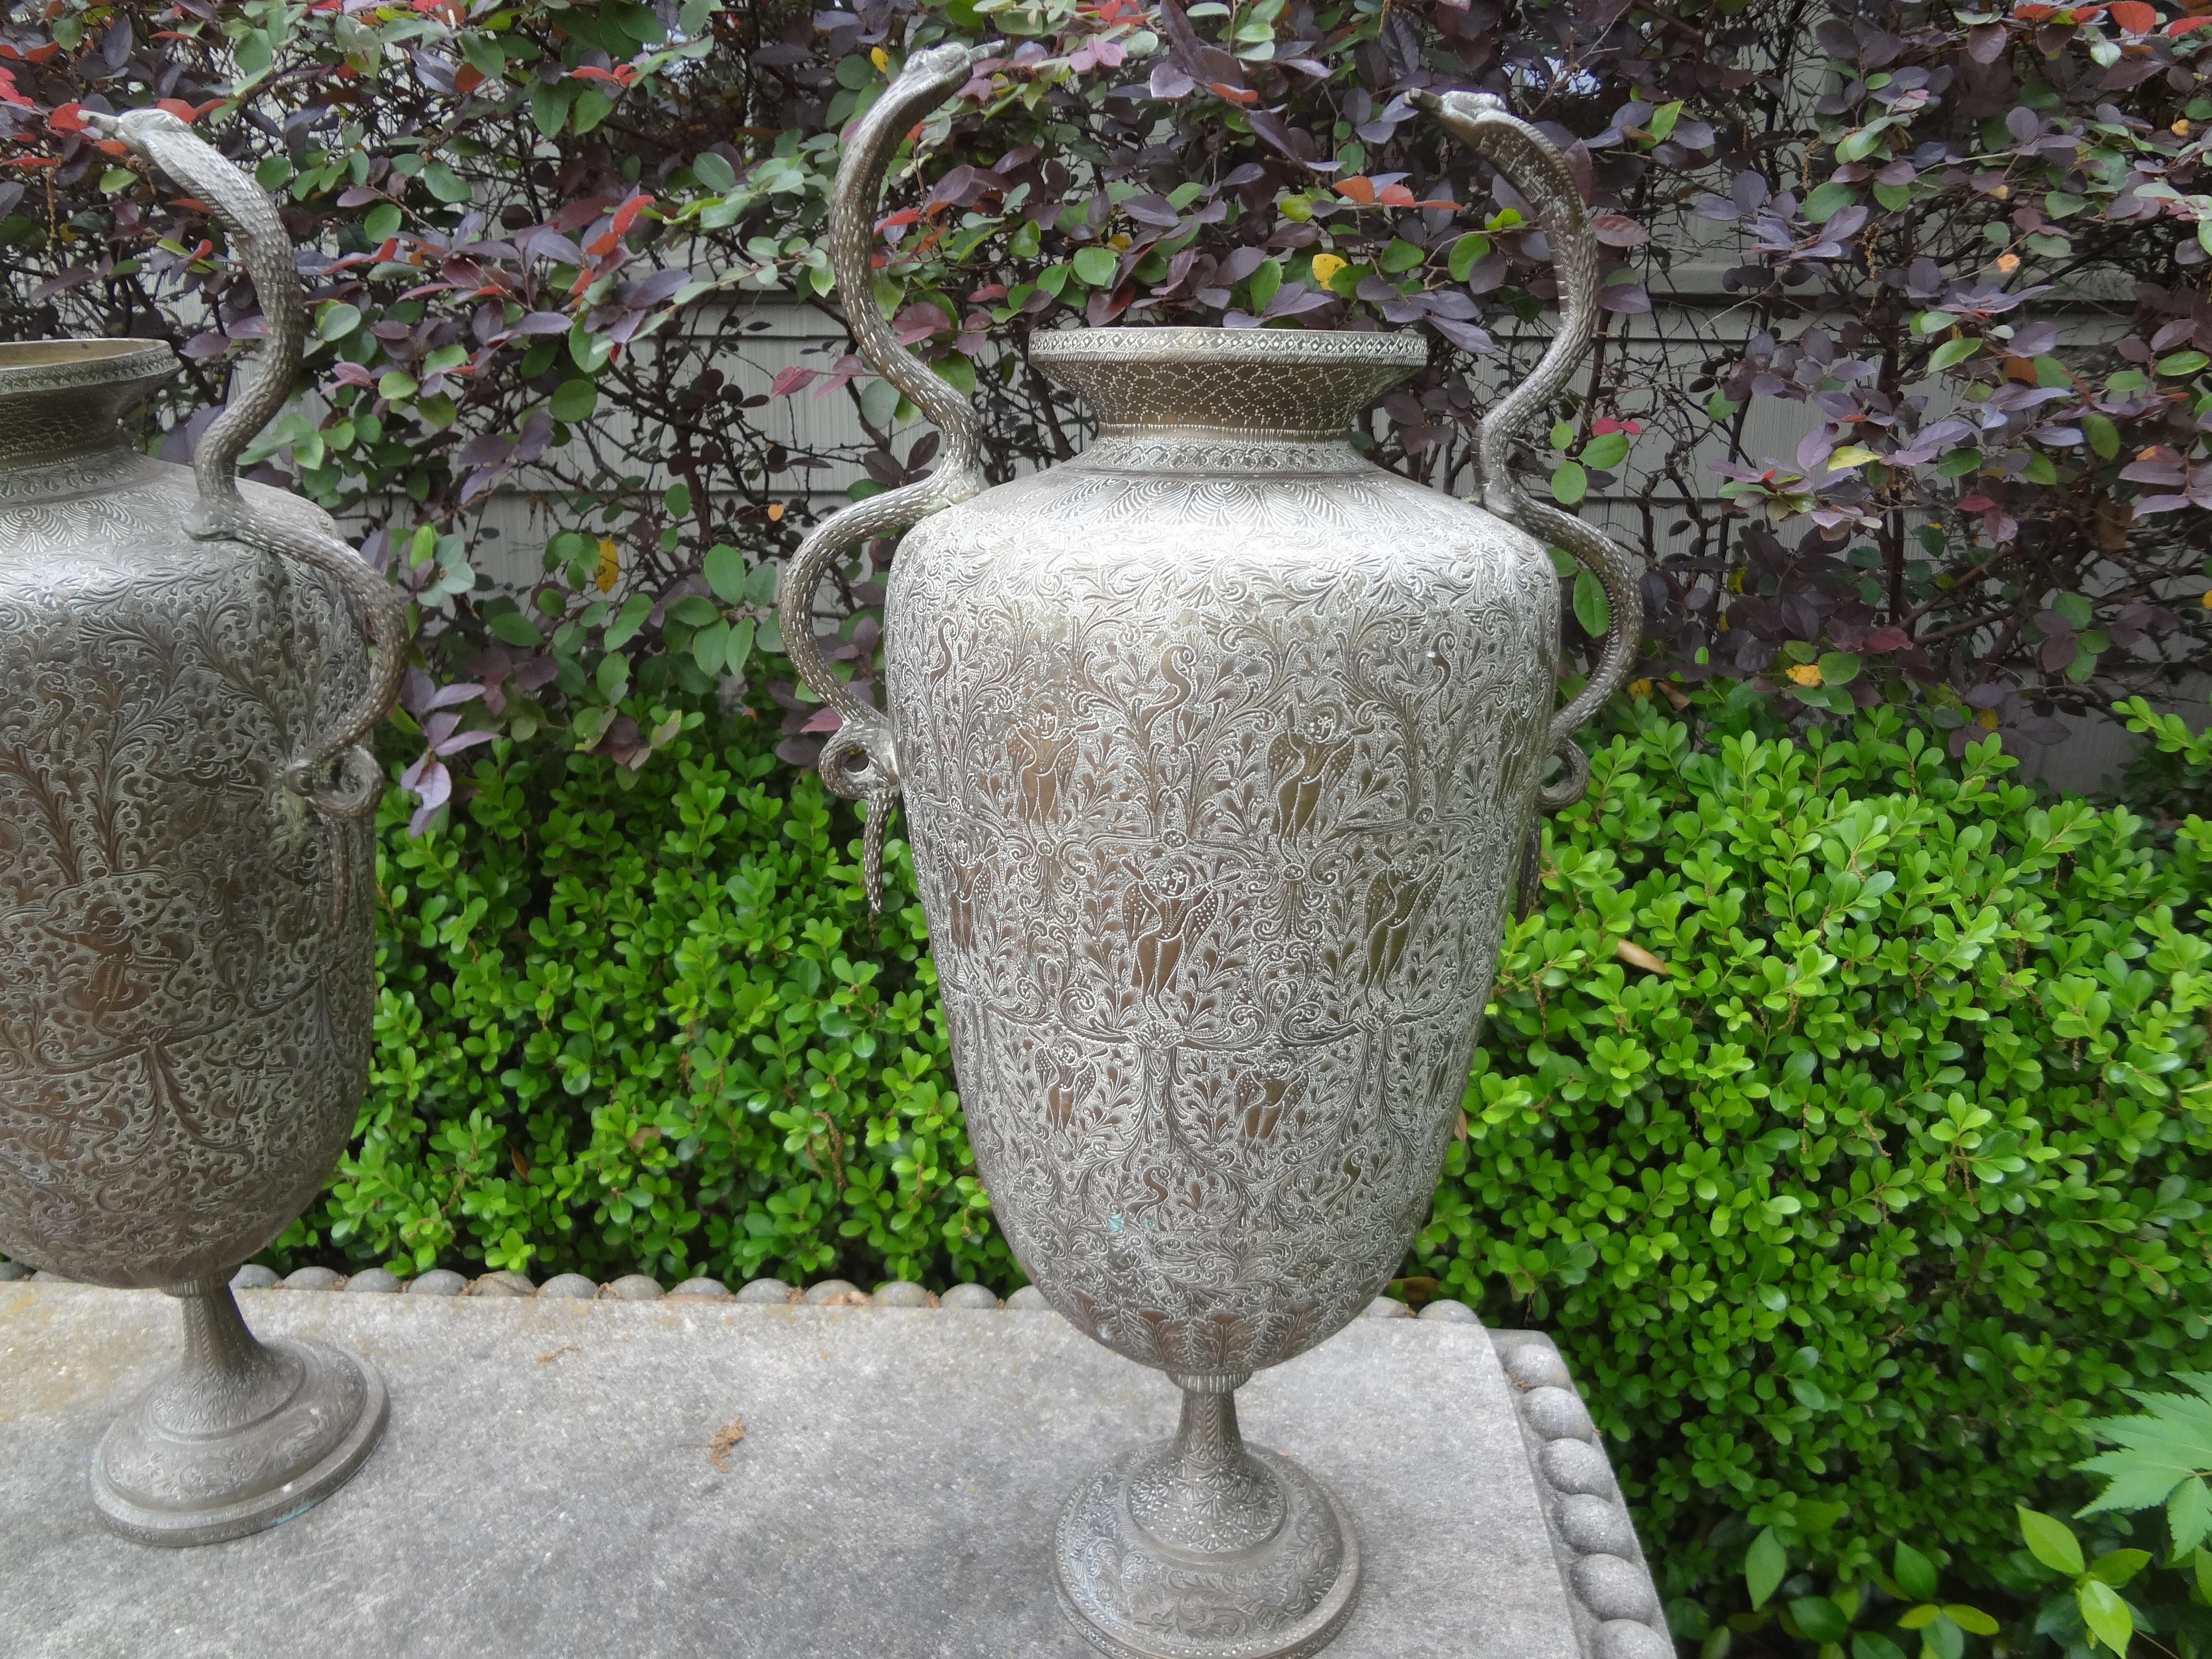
pixel 1218 744
pixel 184 943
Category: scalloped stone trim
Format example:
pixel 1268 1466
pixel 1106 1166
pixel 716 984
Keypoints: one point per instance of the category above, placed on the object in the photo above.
pixel 1617 1613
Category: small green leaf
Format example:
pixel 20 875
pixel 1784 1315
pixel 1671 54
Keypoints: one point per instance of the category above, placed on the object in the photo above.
pixel 1764 1566
pixel 1943 1640
pixel 1592 610
pixel 2183 362
pixel 1562 435
pixel 1950 353
pixel 2189 1515
pixel 1095 265
pixel 1606 451
pixel 1401 256
pixel 2104 437
pixel 714 173
pixel 676 498
pixel 549 106
pixel 446 185
pixel 727 572
pixel 2106 1615
pixel 623 628
pixel 1465 252
pixel 1830 200
pixel 612 677
pixel 1872 1645
pixel 380 223
pixel 2116 1567
pixel 1266 282
pixel 1569 484
pixel 2050 1540
pixel 739 647
pixel 1839 667
pixel 1914 1572
pixel 1662 124
pixel 337 319
pixel 692 611
pixel 574 400
pixel 513 628
pixel 1821 1619
pixel 1972 1620
pixel 708 646
pixel 1920 1618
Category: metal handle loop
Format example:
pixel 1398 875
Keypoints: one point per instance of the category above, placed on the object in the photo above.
pixel 336 777
pixel 1533 163
pixel 861 760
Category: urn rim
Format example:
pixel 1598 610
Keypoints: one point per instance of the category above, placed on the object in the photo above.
pixel 28 366
pixel 1404 350
pixel 1295 384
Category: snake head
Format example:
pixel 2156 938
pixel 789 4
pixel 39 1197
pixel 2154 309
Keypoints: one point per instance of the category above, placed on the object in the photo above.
pixel 138 127
pixel 946 64
pixel 1458 110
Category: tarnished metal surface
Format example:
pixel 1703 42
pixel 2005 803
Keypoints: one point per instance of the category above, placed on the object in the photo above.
pixel 1220 747
pixel 187 902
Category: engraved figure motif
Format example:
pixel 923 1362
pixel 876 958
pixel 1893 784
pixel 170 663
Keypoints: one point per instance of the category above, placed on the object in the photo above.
pixel 186 908
pixel 1220 748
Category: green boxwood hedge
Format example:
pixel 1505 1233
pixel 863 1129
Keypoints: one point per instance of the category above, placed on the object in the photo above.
pixel 1843 1109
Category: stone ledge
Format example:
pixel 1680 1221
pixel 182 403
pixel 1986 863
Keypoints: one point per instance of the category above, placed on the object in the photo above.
pixel 686 1475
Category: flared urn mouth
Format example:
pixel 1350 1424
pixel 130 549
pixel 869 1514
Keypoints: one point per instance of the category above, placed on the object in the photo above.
pixel 1257 382
pixel 58 397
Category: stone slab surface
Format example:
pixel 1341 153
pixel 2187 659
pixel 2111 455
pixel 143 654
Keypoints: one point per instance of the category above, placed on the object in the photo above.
pixel 548 1487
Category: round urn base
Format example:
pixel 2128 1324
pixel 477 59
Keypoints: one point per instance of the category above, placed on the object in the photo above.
pixel 216 1452
pixel 1253 1560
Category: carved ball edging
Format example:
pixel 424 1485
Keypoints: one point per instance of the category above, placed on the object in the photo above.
pixel 1618 1615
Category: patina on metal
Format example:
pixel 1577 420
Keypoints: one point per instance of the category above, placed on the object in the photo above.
pixel 187 902
pixel 1220 746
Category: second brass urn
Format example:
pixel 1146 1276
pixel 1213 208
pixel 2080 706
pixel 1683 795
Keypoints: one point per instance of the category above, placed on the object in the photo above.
pixel 1221 748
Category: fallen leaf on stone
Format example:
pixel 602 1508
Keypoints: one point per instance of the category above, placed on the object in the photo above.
pixel 565 1347
pixel 725 1442
pixel 1637 957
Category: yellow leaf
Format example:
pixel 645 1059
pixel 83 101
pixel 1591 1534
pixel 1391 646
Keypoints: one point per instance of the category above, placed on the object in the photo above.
pixel 2008 263
pixel 1988 720
pixel 610 567
pixel 1325 267
pixel 1637 957
pixel 1849 456
pixel 881 60
pixel 2180 129
pixel 1642 688
pixel 775 512
pixel 2207 600
pixel 1806 673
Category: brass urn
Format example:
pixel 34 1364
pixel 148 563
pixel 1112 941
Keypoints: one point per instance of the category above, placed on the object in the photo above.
pixel 187 885
pixel 1221 749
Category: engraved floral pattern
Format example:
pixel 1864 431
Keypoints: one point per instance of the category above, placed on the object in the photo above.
pixel 1216 775
pixel 184 943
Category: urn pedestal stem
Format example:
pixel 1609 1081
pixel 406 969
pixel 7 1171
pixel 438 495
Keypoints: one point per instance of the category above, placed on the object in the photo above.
pixel 242 1436
pixel 1200 1547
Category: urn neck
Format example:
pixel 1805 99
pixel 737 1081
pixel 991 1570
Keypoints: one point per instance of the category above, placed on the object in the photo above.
pixel 1302 386
pixel 65 399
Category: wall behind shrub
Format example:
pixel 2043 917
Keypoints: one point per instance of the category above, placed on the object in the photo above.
pixel 1843 1110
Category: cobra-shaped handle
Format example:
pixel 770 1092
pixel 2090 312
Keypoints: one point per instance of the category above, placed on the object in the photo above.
pixel 1535 167
pixel 333 773
pixel 861 760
